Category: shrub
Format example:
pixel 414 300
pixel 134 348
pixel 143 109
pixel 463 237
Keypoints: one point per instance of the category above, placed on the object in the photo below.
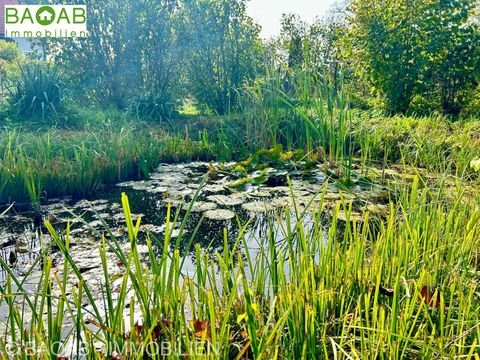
pixel 37 93
pixel 472 104
pixel 9 51
pixel 152 107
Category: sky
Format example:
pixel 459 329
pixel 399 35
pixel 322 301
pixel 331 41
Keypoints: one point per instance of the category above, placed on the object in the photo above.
pixel 269 12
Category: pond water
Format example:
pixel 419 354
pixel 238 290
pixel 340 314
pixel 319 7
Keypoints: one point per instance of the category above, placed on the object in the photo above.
pixel 221 206
pixel 226 205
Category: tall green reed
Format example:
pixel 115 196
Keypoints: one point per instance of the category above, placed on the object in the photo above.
pixel 401 286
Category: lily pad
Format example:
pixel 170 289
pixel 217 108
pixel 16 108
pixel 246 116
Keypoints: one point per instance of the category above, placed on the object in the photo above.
pixel 257 207
pixel 378 209
pixel 353 216
pixel 281 201
pixel 157 190
pixel 212 188
pixel 241 184
pixel 201 206
pixel 152 228
pixel 259 193
pixel 228 200
pixel 178 194
pixel 219 214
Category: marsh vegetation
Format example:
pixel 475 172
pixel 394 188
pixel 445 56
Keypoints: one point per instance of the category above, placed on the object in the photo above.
pixel 184 188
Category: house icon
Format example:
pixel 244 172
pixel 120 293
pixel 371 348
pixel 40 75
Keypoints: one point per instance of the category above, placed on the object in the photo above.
pixel 45 15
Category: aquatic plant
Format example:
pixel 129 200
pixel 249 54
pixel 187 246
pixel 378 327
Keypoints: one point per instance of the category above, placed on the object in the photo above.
pixel 58 163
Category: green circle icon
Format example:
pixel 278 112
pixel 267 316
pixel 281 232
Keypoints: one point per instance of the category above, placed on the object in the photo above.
pixel 45 15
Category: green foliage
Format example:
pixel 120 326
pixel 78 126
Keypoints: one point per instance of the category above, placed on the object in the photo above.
pixel 430 142
pixel 223 50
pixel 358 288
pixel 10 56
pixel 131 49
pixel 37 93
pixel 408 48
pixel 454 51
pixel 472 104
pixel 55 163
pixel 9 51
pixel 312 47
pixel 151 107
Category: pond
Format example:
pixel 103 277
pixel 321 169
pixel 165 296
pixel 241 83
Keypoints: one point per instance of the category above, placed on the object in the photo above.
pixel 221 207
pixel 227 206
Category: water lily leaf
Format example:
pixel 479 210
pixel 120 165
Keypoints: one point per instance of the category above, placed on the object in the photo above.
pixel 276 152
pixel 201 206
pixel 258 206
pixel 227 200
pixel 289 155
pixel 158 190
pixel 219 214
pixel 257 193
pixel 281 201
pixel 259 180
pixel 378 209
pixel 239 171
pixel 352 217
pixel 251 162
pixel 241 184
pixel 211 188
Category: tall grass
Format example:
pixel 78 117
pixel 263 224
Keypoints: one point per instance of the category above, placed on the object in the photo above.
pixel 298 110
pixel 56 163
pixel 402 287
pixel 433 143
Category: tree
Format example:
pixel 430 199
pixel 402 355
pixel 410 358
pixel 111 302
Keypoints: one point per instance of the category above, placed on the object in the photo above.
pixel 131 49
pixel 454 51
pixel 10 57
pixel 295 36
pixel 387 47
pixel 222 50
pixel 312 49
pixel 408 47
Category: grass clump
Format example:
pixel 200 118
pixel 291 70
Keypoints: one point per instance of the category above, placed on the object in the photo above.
pixel 432 143
pixel 56 163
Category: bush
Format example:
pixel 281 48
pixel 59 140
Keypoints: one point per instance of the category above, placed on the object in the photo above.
pixel 425 105
pixel 10 57
pixel 472 104
pixel 152 107
pixel 9 51
pixel 37 93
